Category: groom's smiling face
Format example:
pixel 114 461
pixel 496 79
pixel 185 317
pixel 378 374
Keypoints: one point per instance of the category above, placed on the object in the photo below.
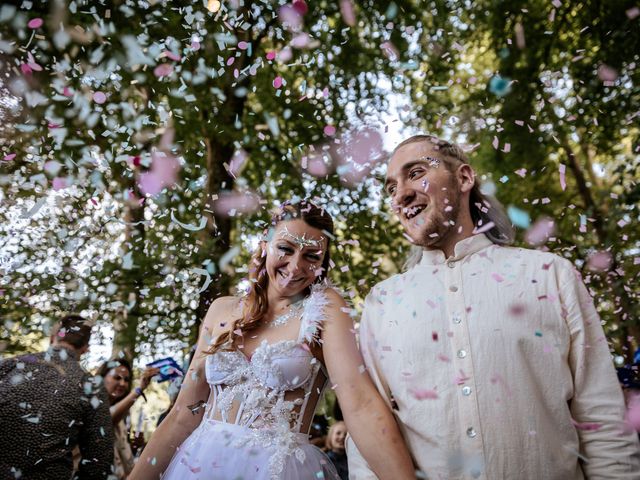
pixel 424 193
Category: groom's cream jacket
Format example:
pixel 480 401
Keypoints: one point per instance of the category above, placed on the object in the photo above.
pixel 496 366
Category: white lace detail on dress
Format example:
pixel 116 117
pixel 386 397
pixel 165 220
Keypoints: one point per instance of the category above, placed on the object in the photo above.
pixel 257 386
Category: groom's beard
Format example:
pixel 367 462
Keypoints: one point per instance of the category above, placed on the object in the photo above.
pixel 438 220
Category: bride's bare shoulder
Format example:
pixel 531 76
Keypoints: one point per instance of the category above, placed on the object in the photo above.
pixel 221 314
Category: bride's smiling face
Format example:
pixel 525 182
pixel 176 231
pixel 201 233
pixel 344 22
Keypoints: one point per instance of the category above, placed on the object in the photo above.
pixel 294 256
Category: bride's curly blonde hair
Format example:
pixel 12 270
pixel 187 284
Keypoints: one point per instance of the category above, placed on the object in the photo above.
pixel 255 304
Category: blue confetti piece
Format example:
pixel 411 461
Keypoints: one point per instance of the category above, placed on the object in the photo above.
pixel 500 86
pixel 518 217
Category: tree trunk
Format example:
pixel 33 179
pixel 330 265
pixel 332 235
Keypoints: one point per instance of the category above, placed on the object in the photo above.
pixel 216 236
pixel 126 326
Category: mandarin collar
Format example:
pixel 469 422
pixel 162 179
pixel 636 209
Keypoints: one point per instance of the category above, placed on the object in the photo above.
pixel 463 248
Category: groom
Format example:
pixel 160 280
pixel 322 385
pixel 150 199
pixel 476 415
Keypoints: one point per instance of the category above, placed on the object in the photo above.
pixel 492 358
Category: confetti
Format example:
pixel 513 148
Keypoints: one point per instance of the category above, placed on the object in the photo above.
pixel 163 70
pixel 35 23
pixel 500 86
pixel 99 98
pixel 599 261
pixel 423 394
pixel 587 426
pixel 347 12
pixel 562 170
pixel 540 231
pixel 518 217
pixel 329 130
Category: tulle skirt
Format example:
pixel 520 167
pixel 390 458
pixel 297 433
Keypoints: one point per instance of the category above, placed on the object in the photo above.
pixel 217 451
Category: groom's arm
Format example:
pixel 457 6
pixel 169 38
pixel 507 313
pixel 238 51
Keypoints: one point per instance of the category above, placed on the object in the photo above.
pixel 358 466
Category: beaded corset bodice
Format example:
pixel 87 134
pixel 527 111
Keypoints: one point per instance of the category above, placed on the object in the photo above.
pixel 270 392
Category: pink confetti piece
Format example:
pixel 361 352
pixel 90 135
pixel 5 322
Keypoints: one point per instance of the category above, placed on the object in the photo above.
pixel 329 130
pixel 243 45
pixel 277 82
pixel 390 51
pixel 59 183
pixel 358 154
pixel 238 161
pixel 285 54
pixel 633 13
pixel 607 73
pixel 163 70
pixel 233 203
pixel 540 231
pixel 347 12
pixel 495 143
pixel 290 18
pixel 35 23
pixel 562 168
pixel 134 160
pixel 99 98
pixel 300 6
pixel 443 358
pixel 497 277
pixel 172 56
pixel 8 157
pixel 600 261
pixel 423 394
pixel 271 55
pixel 164 168
pixel 26 69
pixel 461 378
pixel 315 165
pixel 302 40
pixel 517 309
pixel 587 426
pixel 230 61
pixel 66 91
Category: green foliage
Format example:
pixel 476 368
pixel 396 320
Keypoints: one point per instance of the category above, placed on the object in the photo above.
pixel 535 86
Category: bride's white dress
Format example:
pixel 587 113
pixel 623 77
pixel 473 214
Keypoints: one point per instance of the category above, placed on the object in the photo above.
pixel 252 426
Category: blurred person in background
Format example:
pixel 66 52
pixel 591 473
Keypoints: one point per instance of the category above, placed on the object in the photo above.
pixel 629 378
pixel 50 407
pixel 336 450
pixel 117 375
pixel 318 431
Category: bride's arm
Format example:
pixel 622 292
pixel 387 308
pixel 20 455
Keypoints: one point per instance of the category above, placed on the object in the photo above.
pixel 369 420
pixel 188 410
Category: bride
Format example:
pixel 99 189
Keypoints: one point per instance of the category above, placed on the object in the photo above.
pixel 261 365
